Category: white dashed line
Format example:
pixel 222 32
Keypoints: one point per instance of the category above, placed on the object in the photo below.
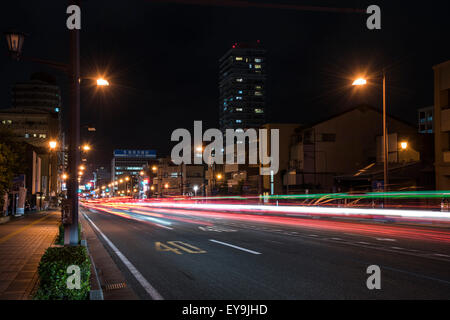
pixel 442 255
pixel 233 246
pixel 385 239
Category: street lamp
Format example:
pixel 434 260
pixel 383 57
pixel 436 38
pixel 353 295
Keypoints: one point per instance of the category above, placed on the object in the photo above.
pixel 404 145
pixel 52 144
pixel 362 82
pixel 102 82
pixel 15 42
pixel 86 148
pixel 195 190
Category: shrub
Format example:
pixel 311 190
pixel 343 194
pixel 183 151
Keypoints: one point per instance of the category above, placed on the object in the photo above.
pixel 53 274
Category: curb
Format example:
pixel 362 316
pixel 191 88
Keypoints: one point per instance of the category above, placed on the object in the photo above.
pixel 98 293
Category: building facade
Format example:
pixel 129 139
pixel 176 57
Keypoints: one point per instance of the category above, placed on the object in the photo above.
pixel 242 87
pixel 344 148
pixel 129 163
pixel 40 92
pixel 442 125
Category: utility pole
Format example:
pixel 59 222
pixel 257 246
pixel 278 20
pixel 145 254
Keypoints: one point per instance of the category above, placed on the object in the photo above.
pixel 385 135
pixel 71 230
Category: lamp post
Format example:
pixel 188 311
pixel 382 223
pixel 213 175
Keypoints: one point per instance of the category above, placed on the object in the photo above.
pixel 362 82
pixel 15 43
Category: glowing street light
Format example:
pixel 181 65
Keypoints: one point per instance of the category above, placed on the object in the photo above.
pixel 64 176
pixel 86 147
pixel 127 178
pixel 404 145
pixel 102 82
pixel 52 144
pixel 219 176
pixel 360 82
pixel 141 173
pixel 121 180
pixel 166 186
pixel 82 167
pixel 80 173
pixel 154 168
pixel 195 189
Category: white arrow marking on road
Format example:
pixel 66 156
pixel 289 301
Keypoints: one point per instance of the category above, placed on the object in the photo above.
pixel 236 247
pixel 139 277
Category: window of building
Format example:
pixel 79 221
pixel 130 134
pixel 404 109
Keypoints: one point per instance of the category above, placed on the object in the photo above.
pixel 34 135
pixel 238 121
pixel 239 59
pixel 250 66
pixel 239 79
pixel 259 110
pixel 258 93
pixel 258 87
pixel 238 109
pixel 42 135
pixel 240 91
pixel 238 98
pixel 27 135
pixel 257 66
pixel 258 60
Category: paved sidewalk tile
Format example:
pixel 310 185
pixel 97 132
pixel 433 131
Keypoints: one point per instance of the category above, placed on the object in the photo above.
pixel 22 244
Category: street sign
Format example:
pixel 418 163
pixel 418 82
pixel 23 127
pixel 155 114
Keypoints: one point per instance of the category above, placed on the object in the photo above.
pixel 135 153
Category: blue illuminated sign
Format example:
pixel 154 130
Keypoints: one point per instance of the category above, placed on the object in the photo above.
pixel 135 153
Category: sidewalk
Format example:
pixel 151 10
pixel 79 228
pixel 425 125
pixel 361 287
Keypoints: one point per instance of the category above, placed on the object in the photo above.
pixel 22 244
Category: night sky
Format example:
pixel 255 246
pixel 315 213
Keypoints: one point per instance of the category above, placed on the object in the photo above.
pixel 162 61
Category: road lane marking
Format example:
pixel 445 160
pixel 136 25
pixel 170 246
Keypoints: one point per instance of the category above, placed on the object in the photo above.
pixel 189 248
pixel 139 277
pixel 186 247
pixel 216 229
pixel 233 246
pixel 442 255
pixel 386 239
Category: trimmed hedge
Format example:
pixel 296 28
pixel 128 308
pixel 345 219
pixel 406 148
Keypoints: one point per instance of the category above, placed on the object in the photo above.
pixel 53 274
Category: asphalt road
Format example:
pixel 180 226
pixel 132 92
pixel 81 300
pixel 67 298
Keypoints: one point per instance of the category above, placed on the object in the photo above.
pixel 177 254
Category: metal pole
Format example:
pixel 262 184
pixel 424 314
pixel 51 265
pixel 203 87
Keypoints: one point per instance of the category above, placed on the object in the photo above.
pixel 74 134
pixel 385 142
